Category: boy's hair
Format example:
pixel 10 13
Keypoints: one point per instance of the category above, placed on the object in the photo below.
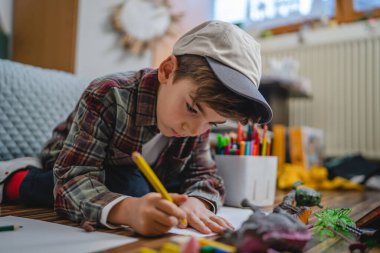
pixel 212 92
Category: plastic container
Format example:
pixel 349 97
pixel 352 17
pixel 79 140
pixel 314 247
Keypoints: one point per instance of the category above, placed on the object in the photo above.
pixel 251 177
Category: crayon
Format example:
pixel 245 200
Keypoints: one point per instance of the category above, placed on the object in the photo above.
pixel 219 245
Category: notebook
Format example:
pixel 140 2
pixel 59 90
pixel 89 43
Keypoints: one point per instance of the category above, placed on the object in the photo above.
pixel 41 236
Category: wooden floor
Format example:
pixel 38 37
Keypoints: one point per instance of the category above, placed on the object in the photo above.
pixel 360 202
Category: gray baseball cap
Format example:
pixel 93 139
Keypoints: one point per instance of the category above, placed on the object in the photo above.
pixel 234 57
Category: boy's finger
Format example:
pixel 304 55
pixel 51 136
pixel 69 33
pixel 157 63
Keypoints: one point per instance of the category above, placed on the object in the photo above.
pixel 222 222
pixel 171 209
pixel 178 198
pixel 182 225
pixel 159 228
pixel 215 227
pixel 164 218
pixel 197 224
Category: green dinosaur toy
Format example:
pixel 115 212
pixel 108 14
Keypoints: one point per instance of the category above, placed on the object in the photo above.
pixel 306 196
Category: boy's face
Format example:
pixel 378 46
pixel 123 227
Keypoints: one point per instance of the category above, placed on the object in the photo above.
pixel 177 115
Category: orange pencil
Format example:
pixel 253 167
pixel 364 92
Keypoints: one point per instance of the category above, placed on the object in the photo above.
pixel 239 133
pixel 242 148
pixel 257 144
pixel 268 147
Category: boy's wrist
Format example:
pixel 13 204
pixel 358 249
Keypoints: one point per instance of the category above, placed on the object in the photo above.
pixel 205 203
pixel 106 211
pixel 119 214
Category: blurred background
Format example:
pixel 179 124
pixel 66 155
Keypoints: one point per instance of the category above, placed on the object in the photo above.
pixel 321 58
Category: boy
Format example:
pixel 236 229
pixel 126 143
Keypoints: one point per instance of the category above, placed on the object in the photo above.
pixel 213 75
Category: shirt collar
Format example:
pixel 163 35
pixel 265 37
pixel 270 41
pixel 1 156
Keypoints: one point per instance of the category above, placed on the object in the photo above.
pixel 146 114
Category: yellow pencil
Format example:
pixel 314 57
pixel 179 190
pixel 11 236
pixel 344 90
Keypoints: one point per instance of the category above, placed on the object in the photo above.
pixel 152 178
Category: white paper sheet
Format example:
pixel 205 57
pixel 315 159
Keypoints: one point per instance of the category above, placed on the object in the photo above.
pixel 236 216
pixel 41 236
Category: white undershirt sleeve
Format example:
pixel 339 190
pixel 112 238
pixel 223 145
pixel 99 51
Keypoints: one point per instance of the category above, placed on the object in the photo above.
pixel 106 210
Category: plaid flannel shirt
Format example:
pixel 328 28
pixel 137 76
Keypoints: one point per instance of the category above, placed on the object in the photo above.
pixel 115 116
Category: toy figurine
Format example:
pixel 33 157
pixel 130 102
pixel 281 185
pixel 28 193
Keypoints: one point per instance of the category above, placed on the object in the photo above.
pixel 306 196
pixel 275 231
pixel 302 213
pixel 333 222
pixel 298 202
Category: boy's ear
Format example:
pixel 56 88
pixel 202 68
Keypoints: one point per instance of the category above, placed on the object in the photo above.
pixel 167 69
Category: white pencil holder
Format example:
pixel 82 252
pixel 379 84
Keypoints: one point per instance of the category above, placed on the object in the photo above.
pixel 251 177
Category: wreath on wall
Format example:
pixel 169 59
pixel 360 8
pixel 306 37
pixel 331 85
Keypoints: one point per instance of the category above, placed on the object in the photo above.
pixel 144 22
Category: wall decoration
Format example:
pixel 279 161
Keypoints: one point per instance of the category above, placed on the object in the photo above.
pixel 143 22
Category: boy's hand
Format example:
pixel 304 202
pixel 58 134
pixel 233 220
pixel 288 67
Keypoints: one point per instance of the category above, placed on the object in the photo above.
pixel 201 218
pixel 149 215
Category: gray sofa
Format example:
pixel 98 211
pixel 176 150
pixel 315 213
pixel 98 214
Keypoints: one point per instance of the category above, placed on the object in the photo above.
pixel 32 102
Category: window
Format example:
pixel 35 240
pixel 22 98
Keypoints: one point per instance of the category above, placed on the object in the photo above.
pixel 267 14
pixel 353 10
pixel 365 5
pixel 289 15
pixel 230 11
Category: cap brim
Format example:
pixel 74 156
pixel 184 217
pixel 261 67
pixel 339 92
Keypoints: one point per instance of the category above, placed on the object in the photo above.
pixel 243 86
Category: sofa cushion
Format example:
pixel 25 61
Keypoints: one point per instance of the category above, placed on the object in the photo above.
pixel 32 102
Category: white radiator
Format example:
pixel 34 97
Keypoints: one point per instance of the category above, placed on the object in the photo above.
pixel 345 103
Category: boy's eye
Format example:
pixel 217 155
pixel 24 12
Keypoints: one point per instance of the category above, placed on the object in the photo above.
pixel 213 124
pixel 190 108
